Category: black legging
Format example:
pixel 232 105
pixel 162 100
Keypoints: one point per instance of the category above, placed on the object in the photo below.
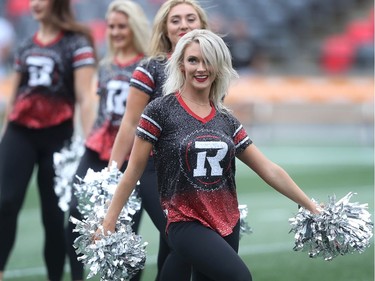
pixel 213 257
pixel 150 202
pixel 21 149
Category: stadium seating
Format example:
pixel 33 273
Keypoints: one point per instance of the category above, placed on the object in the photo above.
pixel 353 47
pixel 278 28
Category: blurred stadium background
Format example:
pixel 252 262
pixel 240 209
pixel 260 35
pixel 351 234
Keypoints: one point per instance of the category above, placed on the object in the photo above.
pixel 305 64
pixel 306 96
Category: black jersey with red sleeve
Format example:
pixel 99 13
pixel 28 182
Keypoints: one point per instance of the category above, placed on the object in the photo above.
pixel 195 161
pixel 113 89
pixel 149 77
pixel 45 96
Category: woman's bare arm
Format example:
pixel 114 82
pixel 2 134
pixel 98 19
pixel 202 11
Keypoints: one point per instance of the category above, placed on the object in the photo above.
pixel 275 176
pixel 137 164
pixel 135 104
pixel 85 96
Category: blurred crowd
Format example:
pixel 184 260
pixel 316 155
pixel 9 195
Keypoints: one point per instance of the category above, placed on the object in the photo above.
pixel 336 36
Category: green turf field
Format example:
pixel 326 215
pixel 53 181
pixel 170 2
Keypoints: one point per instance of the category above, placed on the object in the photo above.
pixel 320 171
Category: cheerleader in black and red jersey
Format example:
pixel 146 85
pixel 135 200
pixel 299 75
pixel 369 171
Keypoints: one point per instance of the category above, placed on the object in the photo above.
pixel 195 141
pixel 55 69
pixel 174 19
pixel 128 37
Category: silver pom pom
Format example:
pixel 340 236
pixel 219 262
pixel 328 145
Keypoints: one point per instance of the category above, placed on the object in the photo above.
pixel 244 226
pixel 98 188
pixel 341 228
pixel 113 256
pixel 65 164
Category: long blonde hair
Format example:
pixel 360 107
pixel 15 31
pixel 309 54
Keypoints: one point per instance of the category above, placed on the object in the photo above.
pixel 160 44
pixel 215 53
pixel 138 23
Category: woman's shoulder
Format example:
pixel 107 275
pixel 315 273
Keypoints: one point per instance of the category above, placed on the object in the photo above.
pixel 154 68
pixel 76 39
pixel 163 103
pixel 73 35
pixel 30 40
pixel 161 100
pixel 151 61
pixel 25 44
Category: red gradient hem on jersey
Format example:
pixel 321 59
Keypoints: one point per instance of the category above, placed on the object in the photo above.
pixel 38 111
pixel 216 209
pixel 101 140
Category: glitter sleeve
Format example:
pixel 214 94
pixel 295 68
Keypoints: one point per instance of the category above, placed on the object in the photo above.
pixel 149 126
pixel 240 137
pixel 83 52
pixel 149 77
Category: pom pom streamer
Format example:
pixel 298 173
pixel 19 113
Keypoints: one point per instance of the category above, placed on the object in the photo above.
pixel 244 226
pixel 341 228
pixel 97 189
pixel 114 256
pixel 65 164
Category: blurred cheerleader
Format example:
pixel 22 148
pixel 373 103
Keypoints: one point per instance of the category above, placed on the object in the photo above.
pixel 54 72
pixel 127 38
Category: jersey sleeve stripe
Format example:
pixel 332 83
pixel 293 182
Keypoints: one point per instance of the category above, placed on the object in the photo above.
pixel 83 50
pixel 142 85
pixel 144 116
pixel 142 77
pixel 147 133
pixel 83 56
pixel 238 129
pixel 88 61
pixel 149 127
pixel 240 135
pixel 242 142
pixel 145 72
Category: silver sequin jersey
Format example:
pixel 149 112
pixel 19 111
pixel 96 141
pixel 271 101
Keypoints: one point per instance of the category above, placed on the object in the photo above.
pixel 113 90
pixel 195 161
pixel 45 96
